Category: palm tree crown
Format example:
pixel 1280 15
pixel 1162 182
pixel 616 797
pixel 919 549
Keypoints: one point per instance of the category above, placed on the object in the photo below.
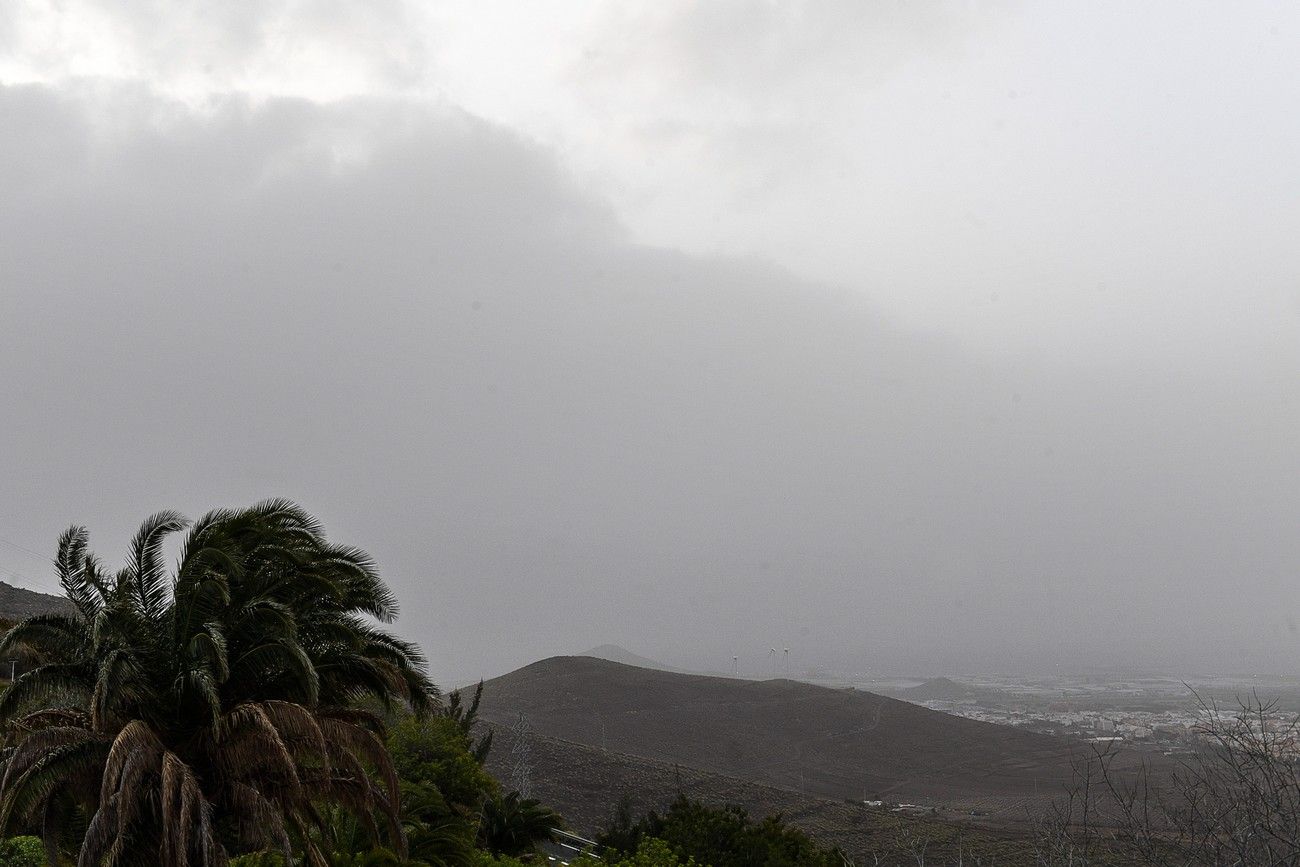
pixel 176 717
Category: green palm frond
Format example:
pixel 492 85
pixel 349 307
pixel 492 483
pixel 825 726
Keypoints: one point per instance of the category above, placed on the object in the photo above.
pixel 48 684
pixel 145 571
pixel 198 691
pixel 56 767
pixel 280 664
pixel 208 648
pixel 70 564
pixel 121 687
pixel 207 532
pixel 202 589
pixel 284 514
pixel 57 635
pixel 363 589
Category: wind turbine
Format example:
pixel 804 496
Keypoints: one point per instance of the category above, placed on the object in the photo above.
pixel 771 655
pixel 735 666
pixel 787 662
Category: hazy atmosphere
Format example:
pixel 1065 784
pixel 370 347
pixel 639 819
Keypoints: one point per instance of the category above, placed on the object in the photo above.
pixel 918 338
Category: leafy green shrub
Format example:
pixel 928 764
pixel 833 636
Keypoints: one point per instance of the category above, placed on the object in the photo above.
pixel 487 859
pixel 258 859
pixel 377 857
pixel 22 852
pixel 724 837
pixel 443 785
pixel 436 751
pixel 650 852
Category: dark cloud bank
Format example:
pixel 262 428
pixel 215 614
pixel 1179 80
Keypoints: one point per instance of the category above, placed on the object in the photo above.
pixel 551 438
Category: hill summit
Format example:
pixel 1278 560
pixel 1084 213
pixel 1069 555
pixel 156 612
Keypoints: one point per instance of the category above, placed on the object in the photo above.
pixel 623 656
pixel 938 689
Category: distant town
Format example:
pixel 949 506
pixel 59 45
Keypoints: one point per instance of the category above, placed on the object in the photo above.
pixel 1155 712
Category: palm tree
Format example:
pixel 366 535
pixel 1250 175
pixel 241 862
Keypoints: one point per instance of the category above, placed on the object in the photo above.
pixel 181 716
pixel 514 825
pixel 440 835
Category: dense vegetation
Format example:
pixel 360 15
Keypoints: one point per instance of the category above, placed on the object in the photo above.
pixel 243 704
pixel 724 837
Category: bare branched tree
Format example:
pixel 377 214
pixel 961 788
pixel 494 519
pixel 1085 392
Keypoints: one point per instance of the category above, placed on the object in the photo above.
pixel 1234 800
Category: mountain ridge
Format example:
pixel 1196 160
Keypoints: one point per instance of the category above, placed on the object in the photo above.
pixel 837 743
pixel 19 602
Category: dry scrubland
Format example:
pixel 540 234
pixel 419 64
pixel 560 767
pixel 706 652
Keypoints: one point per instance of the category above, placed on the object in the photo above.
pixel 585 783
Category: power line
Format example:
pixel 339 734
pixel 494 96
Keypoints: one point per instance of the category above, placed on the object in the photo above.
pixel 14 574
pixel 23 579
pixel 38 555
pixel 24 582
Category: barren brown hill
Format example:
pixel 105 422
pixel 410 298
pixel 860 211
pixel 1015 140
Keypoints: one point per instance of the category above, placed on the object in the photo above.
pixel 835 743
pixel 17 603
pixel 940 688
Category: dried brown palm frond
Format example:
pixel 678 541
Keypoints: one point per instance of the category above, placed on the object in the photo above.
pixel 258 821
pixel 52 717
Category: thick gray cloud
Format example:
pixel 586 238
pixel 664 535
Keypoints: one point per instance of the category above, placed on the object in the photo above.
pixel 312 47
pixel 1095 180
pixel 551 437
pixel 1098 179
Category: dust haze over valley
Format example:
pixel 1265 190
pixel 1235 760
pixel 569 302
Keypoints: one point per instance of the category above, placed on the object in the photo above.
pixel 492 358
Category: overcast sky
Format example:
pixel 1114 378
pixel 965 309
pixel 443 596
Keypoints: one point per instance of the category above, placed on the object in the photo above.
pixel 919 337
